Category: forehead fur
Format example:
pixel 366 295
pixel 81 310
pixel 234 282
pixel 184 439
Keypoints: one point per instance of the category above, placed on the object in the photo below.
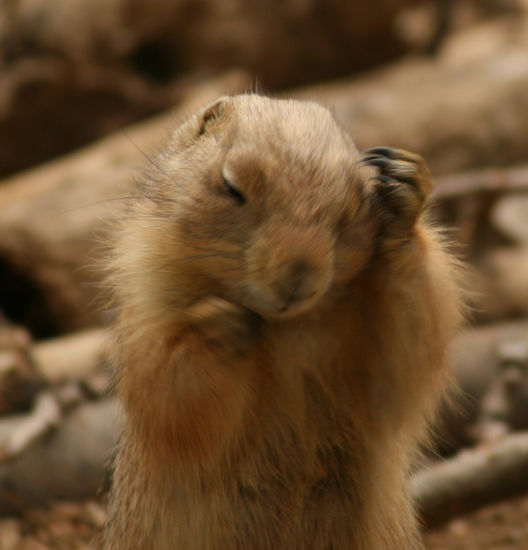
pixel 301 137
pixel 299 124
pixel 306 159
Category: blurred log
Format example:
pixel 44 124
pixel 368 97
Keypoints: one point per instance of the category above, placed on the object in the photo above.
pixel 472 479
pixel 510 217
pixel 66 68
pixel 50 220
pixel 501 284
pixel 477 358
pixel 474 355
pixel 20 381
pixel 70 463
pixel 73 462
pixel 71 357
pixel 50 106
pixel 303 40
pixel 482 182
pixel 75 366
pixel 475 203
pixel 464 109
pixel 19 432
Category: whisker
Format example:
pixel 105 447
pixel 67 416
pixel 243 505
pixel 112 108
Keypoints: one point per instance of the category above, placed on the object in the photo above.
pixel 171 262
pixel 157 219
pixel 102 201
pixel 149 159
pixel 161 199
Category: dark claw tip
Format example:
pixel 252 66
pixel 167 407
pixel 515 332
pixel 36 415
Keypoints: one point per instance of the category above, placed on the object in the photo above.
pixel 381 150
pixel 383 178
pixel 375 160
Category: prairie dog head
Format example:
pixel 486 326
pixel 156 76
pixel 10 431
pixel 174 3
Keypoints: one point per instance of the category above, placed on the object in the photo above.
pixel 258 201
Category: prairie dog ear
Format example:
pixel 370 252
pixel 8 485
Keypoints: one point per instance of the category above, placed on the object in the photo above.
pixel 209 120
pixel 214 116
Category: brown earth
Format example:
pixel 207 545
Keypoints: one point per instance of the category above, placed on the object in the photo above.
pixel 503 526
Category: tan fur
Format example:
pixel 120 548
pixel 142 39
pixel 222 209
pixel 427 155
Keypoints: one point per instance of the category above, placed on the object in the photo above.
pixel 279 355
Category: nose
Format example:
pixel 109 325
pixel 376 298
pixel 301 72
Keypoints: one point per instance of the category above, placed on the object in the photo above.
pixel 289 268
pixel 297 280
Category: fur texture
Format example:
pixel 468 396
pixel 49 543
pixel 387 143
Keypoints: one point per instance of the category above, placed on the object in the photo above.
pixel 285 312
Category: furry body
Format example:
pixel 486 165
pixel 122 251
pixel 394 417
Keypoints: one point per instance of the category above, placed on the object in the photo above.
pixel 281 343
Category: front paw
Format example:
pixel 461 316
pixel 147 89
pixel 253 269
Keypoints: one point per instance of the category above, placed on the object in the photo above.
pixel 224 324
pixel 402 185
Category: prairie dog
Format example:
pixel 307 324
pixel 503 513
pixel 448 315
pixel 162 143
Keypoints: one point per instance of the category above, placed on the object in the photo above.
pixel 285 312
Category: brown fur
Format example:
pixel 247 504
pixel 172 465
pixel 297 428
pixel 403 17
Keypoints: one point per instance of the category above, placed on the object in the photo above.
pixel 280 352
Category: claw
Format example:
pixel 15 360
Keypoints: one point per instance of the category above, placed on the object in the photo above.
pixel 403 182
pixel 397 163
pixel 375 160
pixel 384 151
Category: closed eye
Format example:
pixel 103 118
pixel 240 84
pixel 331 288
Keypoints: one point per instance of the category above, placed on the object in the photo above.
pixel 233 192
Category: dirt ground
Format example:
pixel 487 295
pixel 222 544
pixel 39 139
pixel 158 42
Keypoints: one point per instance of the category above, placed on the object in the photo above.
pixel 73 526
pixel 502 526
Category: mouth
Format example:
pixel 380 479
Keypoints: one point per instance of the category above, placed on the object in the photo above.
pixel 294 303
pixel 289 307
pixel 291 292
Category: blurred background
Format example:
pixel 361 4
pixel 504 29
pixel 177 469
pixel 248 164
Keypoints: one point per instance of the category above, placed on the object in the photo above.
pixel 89 88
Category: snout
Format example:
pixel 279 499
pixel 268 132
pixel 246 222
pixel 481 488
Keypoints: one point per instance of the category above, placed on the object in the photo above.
pixel 289 271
